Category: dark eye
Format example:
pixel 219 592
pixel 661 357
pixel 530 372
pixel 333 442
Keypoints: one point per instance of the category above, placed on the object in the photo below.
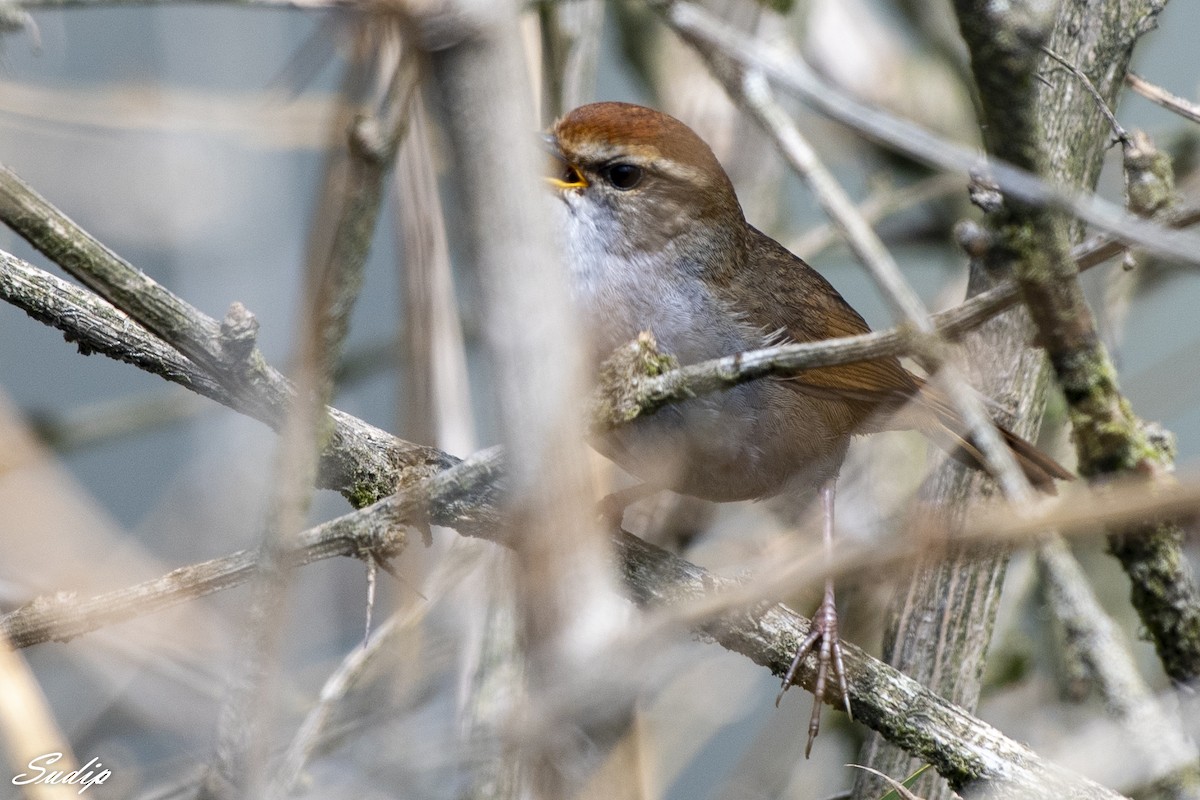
pixel 623 176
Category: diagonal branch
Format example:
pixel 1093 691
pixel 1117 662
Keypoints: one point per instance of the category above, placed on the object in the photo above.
pixel 465 496
pixel 1033 241
pixel 362 462
pixel 792 75
pixel 651 392
pixel 968 752
pixel 1156 94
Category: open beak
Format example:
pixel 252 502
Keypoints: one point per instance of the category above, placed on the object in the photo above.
pixel 564 174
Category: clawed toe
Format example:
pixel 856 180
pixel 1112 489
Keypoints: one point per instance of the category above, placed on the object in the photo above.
pixel 822 640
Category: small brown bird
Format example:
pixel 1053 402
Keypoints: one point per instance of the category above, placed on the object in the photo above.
pixel 656 241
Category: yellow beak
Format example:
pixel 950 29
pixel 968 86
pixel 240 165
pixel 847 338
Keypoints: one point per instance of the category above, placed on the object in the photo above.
pixel 569 177
pixel 578 182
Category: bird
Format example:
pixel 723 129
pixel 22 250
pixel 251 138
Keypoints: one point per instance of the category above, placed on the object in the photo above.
pixel 655 241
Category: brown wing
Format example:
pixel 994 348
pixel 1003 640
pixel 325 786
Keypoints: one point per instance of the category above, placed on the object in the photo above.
pixel 789 296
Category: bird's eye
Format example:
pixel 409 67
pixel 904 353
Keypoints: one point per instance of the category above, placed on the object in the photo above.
pixel 623 176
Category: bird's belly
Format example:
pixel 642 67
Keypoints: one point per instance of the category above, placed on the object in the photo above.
pixel 750 442
pixel 746 442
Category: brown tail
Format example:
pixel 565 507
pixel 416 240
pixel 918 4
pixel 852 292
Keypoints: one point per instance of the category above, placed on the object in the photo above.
pixel 949 432
pixel 933 415
pixel 1041 470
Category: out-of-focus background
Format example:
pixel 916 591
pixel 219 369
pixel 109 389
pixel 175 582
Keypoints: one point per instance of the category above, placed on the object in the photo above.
pixel 192 139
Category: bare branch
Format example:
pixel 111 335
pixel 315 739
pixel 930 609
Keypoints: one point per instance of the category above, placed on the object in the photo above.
pixel 308 736
pixel 371 529
pixel 362 462
pixel 653 391
pixel 971 755
pixel 1168 756
pixel 1171 102
pixel 1119 133
pixel 791 74
pixel 465 497
pixel 1032 241
pixel 755 94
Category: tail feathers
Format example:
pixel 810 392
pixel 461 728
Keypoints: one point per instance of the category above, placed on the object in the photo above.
pixel 947 429
pixel 932 414
pixel 1041 470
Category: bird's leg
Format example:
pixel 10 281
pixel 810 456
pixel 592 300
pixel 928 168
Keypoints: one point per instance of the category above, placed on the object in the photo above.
pixel 824 630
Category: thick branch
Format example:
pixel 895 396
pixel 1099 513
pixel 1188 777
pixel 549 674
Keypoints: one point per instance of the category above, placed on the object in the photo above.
pixel 1033 241
pixel 368 460
pixel 792 75
pixel 652 391
pixel 465 496
pixel 363 463
pixel 971 754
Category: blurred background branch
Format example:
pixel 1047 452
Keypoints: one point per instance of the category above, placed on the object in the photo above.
pixel 517 670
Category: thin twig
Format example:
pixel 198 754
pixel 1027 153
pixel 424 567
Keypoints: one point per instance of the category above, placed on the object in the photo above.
pixel 1156 94
pixel 1119 133
pixel 308 735
pixel 1160 747
pixel 755 94
pixel 465 497
pixel 881 205
pixel 653 392
pixel 209 359
pixel 790 73
pixel 61 619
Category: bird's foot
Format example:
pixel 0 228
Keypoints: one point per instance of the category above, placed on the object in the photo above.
pixel 822 640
